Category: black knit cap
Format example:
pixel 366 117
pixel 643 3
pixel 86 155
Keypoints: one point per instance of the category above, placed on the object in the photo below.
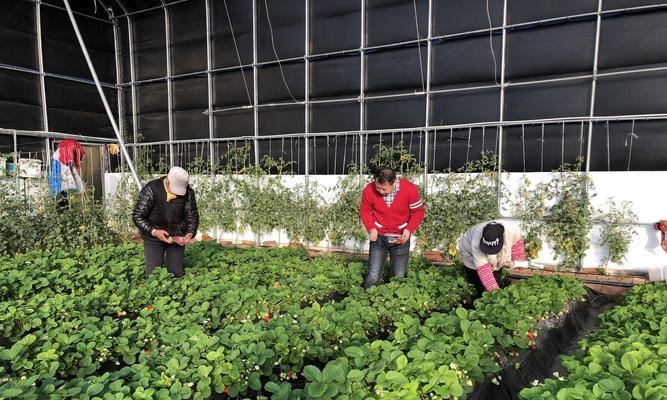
pixel 492 238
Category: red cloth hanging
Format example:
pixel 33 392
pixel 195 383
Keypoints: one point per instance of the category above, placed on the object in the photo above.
pixel 71 151
pixel 662 227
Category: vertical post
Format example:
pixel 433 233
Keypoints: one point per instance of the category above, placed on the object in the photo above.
pixel 209 78
pixel 501 127
pixel 362 84
pixel 254 82
pixel 121 104
pixel 593 88
pixel 427 122
pixel 133 86
pixel 121 142
pixel 42 83
pixel 306 122
pixel 170 95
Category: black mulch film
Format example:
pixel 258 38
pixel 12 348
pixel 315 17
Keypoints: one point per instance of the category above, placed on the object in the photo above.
pixel 555 337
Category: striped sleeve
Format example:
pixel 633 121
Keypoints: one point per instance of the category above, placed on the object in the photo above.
pixel 518 251
pixel 485 274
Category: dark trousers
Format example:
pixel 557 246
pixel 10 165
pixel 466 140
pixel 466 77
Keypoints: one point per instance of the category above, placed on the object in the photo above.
pixel 377 256
pixel 154 252
pixel 473 278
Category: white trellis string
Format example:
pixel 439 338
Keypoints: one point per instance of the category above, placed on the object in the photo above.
pixel 631 135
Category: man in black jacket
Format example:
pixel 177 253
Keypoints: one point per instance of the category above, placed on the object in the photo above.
pixel 166 214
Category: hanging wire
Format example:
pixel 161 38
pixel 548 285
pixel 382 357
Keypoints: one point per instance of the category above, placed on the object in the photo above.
pixel 451 143
pixel 420 147
pixel 523 146
pixel 631 135
pixel 608 155
pixel 273 45
pixel 344 154
pixel 419 47
pixel 468 145
pixel 493 52
pixel 562 144
pixel 542 150
pixel 238 55
pixel 581 140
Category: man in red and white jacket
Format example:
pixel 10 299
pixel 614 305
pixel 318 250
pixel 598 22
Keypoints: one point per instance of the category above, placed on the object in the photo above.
pixel 391 210
pixel 486 248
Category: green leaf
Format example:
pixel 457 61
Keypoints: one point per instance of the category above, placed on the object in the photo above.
pixel 401 362
pixel 204 370
pixel 316 389
pixel 354 351
pixel 312 373
pixel 629 362
pixel 462 313
pixel 332 372
pixel 9 393
pixel 94 389
pixel 355 375
pixel 272 387
pixel 396 378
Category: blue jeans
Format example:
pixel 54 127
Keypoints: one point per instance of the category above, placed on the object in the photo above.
pixel 377 256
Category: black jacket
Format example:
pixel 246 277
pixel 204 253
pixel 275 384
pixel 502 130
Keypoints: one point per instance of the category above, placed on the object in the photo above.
pixel 178 216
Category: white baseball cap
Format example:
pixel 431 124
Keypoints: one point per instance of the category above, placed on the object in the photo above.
pixel 178 180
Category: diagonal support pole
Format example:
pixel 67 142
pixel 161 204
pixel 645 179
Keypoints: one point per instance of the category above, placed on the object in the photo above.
pixel 121 142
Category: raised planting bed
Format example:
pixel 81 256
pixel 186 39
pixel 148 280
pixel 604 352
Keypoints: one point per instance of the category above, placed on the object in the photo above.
pixel 87 324
pixel 607 284
pixel 626 358
pixel 447 355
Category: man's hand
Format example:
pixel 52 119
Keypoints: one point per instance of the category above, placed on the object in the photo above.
pixel 406 236
pixel 183 240
pixel 374 234
pixel 162 235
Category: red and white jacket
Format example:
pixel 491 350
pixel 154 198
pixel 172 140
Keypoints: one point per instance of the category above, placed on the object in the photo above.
pixel 406 211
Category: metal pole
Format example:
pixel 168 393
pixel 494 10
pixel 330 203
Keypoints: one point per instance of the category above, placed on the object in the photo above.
pixel 170 94
pixel 133 88
pixel 593 87
pixel 254 82
pixel 427 121
pixel 209 78
pixel 121 142
pixel 362 84
pixel 42 83
pixel 307 96
pixel 501 131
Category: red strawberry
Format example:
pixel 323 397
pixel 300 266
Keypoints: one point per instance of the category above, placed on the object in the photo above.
pixel 267 316
pixel 120 314
pixel 149 308
pixel 290 374
pixel 225 390
pixel 147 352
pixel 531 335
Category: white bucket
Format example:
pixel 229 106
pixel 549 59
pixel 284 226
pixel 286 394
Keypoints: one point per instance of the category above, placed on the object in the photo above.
pixel 30 168
pixel 3 165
